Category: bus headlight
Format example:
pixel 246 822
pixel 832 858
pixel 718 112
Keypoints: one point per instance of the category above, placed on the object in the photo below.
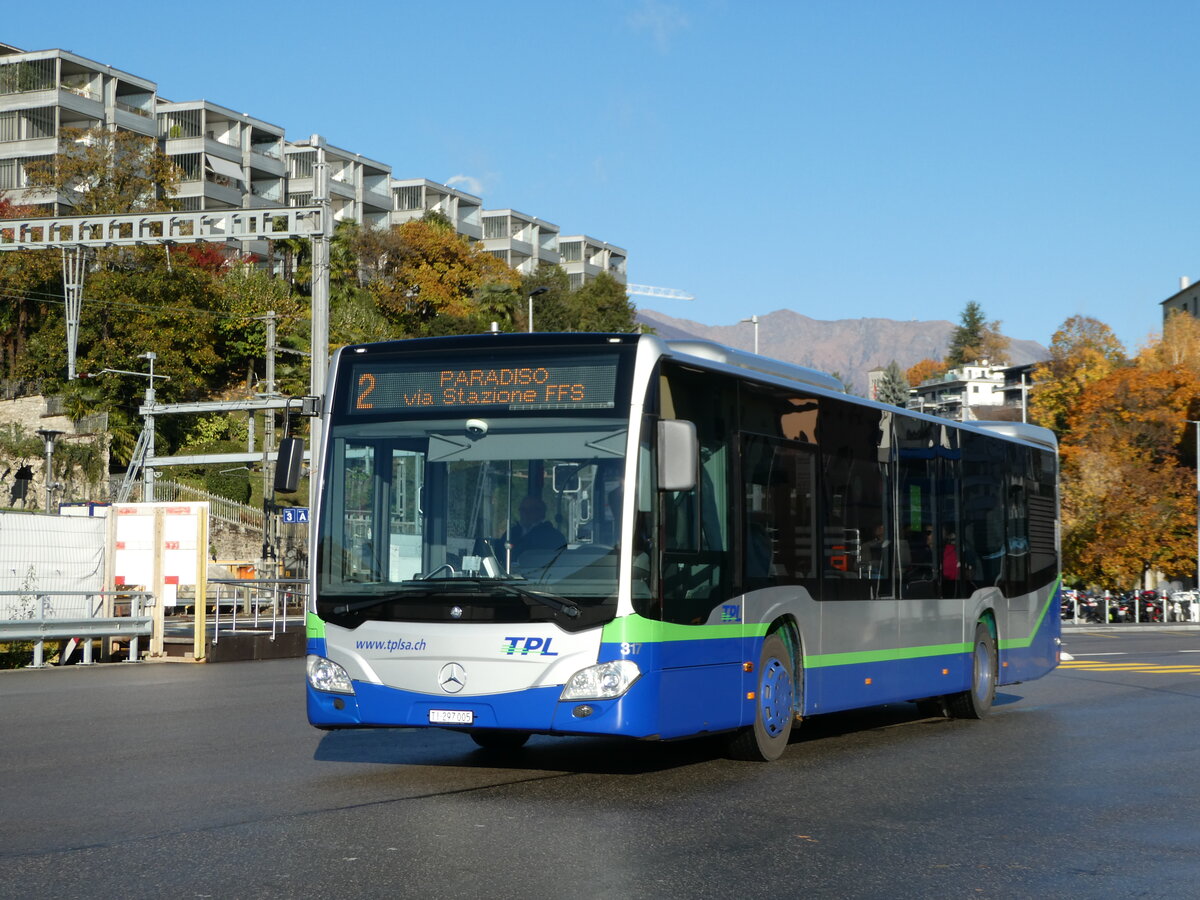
pixel 602 682
pixel 326 675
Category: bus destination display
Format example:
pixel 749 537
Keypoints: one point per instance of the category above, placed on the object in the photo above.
pixel 520 384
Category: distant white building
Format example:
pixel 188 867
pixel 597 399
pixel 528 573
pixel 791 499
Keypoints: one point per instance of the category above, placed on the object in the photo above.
pixel 974 392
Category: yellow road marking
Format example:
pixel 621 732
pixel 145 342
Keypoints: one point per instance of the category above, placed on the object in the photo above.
pixel 1151 668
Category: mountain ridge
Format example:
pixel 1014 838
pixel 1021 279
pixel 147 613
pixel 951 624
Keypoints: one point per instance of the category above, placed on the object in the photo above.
pixel 850 347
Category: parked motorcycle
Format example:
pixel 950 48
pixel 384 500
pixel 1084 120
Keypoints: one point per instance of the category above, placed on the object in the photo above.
pixel 1150 606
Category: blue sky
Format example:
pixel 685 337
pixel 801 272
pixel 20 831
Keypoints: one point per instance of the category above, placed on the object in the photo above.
pixel 840 159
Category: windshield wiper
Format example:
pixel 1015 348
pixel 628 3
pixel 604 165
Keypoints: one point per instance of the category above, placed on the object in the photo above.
pixel 379 601
pixel 561 604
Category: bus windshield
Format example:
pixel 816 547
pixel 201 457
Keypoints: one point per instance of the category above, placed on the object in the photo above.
pixel 508 519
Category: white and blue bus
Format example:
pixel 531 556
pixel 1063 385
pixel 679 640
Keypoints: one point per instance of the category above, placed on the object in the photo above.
pixel 582 534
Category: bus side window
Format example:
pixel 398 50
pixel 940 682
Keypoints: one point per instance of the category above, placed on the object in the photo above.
pixel 858 541
pixel 780 513
pixel 696 573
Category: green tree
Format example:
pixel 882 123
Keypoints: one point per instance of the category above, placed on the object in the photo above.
pixel 976 339
pixel 602 305
pixel 99 171
pixel 29 280
pixel 893 387
pixel 554 310
pixel 243 297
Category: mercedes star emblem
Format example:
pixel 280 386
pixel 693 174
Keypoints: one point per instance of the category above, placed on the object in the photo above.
pixel 456 612
pixel 452 678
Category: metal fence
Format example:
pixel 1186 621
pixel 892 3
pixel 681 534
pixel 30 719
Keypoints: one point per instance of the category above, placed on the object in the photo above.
pixel 253 601
pixel 1182 607
pixel 218 507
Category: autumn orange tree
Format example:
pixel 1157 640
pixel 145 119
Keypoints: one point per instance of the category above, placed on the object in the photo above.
pixel 1128 496
pixel 923 371
pixel 1178 346
pixel 1082 351
pixel 422 270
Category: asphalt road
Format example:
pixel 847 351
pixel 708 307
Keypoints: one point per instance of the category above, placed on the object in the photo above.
pixel 161 780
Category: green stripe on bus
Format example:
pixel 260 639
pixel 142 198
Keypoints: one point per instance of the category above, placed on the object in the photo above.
pixel 313 626
pixel 854 657
pixel 637 630
pixel 1022 643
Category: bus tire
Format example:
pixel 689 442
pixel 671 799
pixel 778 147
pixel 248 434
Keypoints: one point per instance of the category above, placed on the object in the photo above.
pixel 767 738
pixel 975 703
pixel 500 741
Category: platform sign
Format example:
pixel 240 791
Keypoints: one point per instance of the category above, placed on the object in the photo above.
pixel 295 515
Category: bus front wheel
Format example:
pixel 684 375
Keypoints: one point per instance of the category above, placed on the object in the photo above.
pixel 767 738
pixel 975 703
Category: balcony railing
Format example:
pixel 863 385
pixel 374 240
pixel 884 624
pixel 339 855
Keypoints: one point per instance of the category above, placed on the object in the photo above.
pixel 136 110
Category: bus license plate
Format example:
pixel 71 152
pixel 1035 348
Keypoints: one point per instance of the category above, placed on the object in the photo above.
pixel 451 717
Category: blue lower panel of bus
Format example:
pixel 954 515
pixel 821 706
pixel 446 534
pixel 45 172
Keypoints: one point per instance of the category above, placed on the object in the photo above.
pixel 892 680
pixel 672 703
pixel 686 688
pixel 854 685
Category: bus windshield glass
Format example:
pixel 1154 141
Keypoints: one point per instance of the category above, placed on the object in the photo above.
pixel 487 519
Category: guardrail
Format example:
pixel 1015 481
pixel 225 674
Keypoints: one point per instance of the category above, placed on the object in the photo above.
pixel 40 616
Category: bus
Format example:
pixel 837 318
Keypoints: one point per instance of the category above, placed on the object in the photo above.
pixel 726 544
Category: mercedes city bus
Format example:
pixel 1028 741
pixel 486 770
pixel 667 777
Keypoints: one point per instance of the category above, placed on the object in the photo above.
pixel 726 544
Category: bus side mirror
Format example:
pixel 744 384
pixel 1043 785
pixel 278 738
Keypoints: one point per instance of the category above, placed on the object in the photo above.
pixel 678 455
pixel 288 464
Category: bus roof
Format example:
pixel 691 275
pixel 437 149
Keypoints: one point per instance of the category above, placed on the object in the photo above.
pixel 709 351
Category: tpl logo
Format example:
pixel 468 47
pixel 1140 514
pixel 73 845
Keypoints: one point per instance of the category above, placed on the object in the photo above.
pixel 526 646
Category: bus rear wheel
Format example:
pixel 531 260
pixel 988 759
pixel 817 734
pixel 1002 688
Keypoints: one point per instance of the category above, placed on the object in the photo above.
pixel 975 703
pixel 767 738
pixel 500 741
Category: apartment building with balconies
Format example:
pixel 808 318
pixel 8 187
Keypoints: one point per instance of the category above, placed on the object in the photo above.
pixel 232 160
pixel 359 188
pixel 584 257
pixel 229 160
pixel 521 241
pixel 413 197
pixel 45 91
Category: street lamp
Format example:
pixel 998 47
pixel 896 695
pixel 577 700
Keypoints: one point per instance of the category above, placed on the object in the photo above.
pixel 753 320
pixel 1197 424
pixel 536 292
pixel 48 436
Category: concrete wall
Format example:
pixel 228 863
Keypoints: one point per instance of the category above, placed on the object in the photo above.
pixel 29 415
